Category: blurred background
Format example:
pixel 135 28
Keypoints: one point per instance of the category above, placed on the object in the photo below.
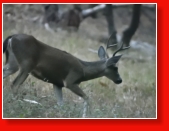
pixel 81 30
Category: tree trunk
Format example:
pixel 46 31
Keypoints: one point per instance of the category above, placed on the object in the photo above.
pixel 129 32
pixel 110 21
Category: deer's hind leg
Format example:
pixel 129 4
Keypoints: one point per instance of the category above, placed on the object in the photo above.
pixel 11 65
pixel 9 70
pixel 25 68
pixel 19 80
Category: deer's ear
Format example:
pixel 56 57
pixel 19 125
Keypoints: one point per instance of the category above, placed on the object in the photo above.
pixel 101 53
pixel 113 60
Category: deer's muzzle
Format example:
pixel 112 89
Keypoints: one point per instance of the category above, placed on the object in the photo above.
pixel 118 81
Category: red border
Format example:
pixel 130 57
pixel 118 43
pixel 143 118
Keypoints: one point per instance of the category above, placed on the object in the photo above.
pixel 163 88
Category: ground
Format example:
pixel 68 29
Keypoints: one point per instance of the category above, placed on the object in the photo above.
pixel 134 98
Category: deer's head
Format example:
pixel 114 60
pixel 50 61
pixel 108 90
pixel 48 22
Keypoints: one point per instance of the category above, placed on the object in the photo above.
pixel 111 70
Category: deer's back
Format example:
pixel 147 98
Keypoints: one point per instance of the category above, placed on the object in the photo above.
pixel 50 64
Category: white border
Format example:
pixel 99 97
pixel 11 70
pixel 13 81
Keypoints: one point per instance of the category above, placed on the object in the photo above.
pixel 81 118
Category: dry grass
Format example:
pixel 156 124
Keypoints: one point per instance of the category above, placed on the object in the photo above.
pixel 134 98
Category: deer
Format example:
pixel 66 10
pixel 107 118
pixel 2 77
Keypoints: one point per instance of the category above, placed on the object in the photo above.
pixel 29 56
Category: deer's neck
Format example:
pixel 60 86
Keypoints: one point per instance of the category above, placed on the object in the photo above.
pixel 93 69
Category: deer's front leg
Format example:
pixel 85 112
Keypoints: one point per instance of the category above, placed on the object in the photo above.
pixel 58 93
pixel 75 88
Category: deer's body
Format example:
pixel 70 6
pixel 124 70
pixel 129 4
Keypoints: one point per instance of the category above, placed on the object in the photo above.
pixel 30 56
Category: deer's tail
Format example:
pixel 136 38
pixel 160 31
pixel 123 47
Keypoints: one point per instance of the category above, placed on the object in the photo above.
pixel 5 46
pixel 5 43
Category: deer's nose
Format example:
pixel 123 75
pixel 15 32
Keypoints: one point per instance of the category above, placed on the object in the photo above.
pixel 118 81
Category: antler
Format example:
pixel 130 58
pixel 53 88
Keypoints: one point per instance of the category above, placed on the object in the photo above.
pixel 108 46
pixel 120 49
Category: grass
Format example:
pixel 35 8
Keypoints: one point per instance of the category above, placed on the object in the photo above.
pixel 134 98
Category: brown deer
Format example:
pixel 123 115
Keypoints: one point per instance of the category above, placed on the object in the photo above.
pixel 31 56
